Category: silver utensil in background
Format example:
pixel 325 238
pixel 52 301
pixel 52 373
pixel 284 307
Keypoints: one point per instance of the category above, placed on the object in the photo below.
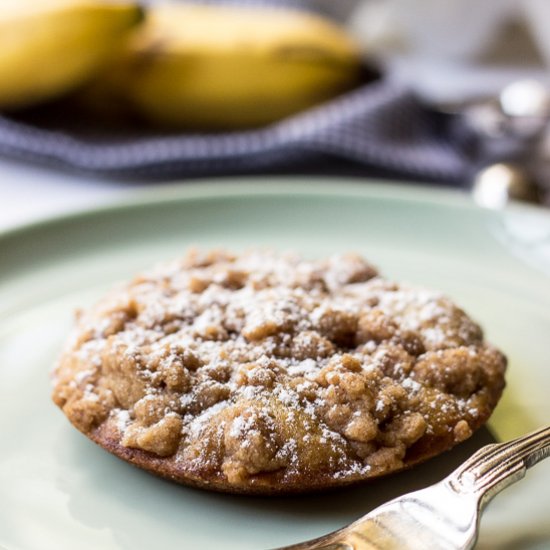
pixel 512 132
pixel 497 184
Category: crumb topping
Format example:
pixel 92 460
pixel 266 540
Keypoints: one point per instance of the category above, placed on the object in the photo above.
pixel 237 366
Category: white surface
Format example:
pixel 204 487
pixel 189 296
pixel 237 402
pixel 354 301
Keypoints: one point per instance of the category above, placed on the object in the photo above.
pixel 435 29
pixel 452 50
pixel 29 193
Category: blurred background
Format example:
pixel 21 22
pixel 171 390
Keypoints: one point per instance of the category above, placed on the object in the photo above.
pixel 100 97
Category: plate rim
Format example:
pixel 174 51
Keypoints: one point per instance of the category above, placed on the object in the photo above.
pixel 277 186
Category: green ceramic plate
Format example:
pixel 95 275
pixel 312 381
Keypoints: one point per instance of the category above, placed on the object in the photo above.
pixel 59 491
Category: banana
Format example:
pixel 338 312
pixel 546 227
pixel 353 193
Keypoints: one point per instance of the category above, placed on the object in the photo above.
pixel 50 47
pixel 219 67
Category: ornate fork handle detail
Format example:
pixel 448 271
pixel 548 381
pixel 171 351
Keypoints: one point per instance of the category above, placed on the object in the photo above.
pixel 496 466
pixel 446 515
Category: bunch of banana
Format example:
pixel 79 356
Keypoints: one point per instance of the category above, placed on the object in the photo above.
pixel 50 47
pixel 214 67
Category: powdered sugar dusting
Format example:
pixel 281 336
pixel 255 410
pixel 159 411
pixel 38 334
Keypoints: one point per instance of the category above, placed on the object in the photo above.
pixel 265 362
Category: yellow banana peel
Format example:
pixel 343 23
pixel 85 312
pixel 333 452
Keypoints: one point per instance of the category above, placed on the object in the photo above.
pixel 50 47
pixel 218 68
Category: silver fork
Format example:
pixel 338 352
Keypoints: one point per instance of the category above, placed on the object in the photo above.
pixel 446 515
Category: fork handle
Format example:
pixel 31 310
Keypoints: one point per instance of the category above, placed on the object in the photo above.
pixel 496 466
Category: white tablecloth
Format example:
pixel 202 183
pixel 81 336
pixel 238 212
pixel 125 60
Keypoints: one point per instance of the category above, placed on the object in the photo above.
pixel 29 193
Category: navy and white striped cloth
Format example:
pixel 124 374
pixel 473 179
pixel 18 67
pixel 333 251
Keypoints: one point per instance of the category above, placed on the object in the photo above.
pixel 378 129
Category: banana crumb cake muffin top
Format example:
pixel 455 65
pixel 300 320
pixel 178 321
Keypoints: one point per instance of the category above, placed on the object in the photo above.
pixel 268 373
